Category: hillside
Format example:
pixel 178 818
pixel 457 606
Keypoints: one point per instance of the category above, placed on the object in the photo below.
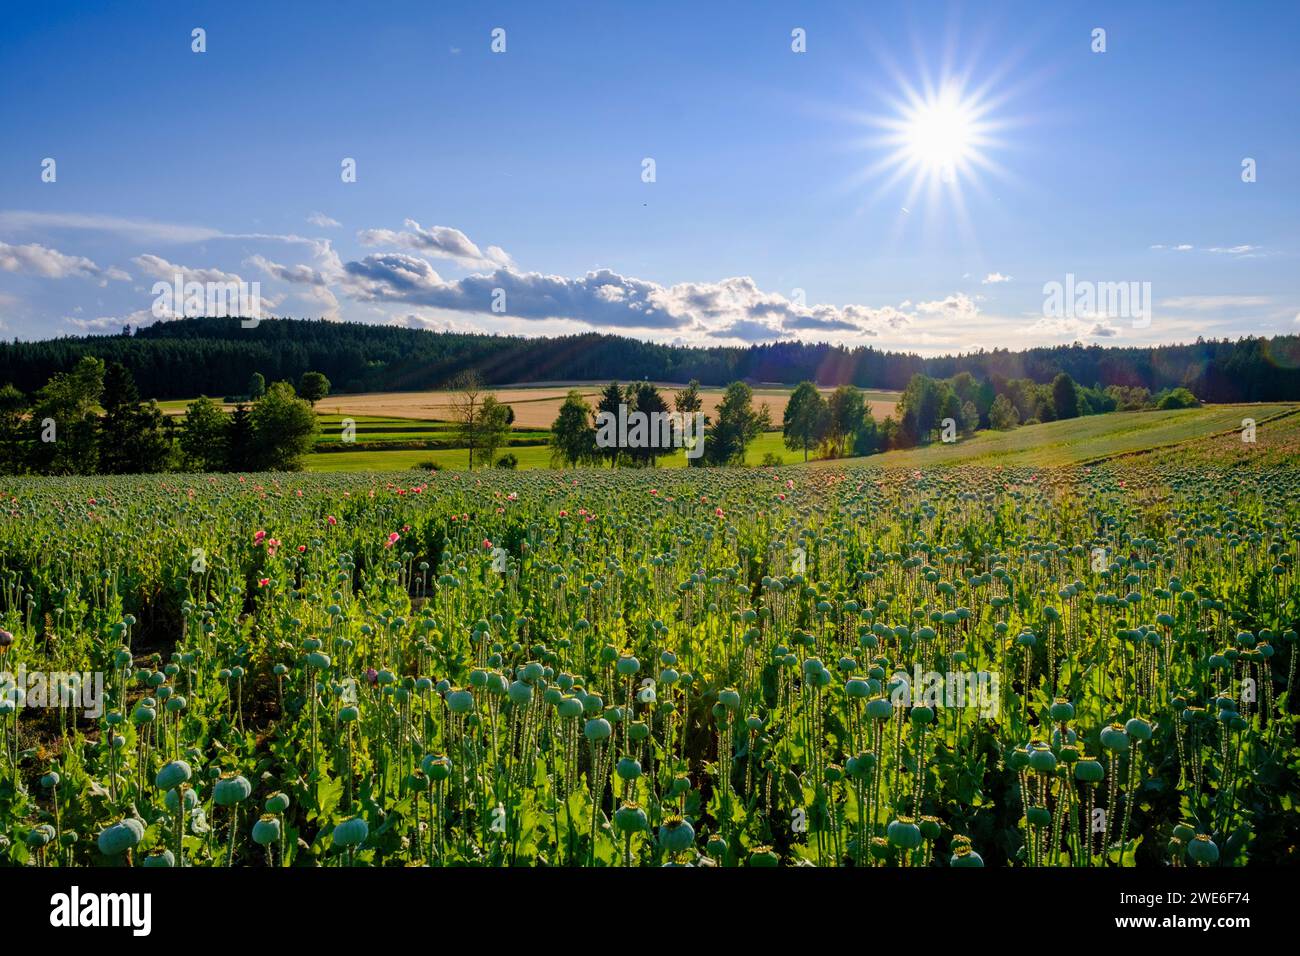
pixel 176 359
pixel 1184 433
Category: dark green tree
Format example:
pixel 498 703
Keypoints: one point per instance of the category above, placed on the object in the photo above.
pixel 737 424
pixel 284 429
pixel 804 424
pixel 204 436
pixel 1065 398
pixel 13 438
pixel 573 436
pixel 63 426
pixel 238 444
pixel 313 386
pixel 611 398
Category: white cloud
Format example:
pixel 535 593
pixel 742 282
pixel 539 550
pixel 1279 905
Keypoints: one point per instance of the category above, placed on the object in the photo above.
pixel 1074 328
pixel 959 307
pixel 440 241
pixel 159 268
pixel 733 307
pixel 994 277
pixel 323 221
pixel 1211 303
pixel 38 260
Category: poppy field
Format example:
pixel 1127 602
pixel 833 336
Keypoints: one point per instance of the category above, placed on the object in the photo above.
pixel 832 667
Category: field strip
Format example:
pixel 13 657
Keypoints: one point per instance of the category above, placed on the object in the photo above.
pixel 1186 441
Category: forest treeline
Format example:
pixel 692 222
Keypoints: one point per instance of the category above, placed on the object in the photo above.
pixel 211 356
pixel 92 420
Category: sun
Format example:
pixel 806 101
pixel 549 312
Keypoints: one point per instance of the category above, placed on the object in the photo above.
pixel 940 134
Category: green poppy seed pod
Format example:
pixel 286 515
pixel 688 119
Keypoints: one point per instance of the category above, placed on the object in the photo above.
pixel 351 832
pixel 1062 710
pixel 627 666
pixel 669 676
pixel 266 830
pixel 1184 833
pixel 190 798
pixel 922 715
pixel 1203 850
pixel 857 688
pixel 51 780
pixel 729 698
pixel 676 835
pixel 1041 759
pixel 764 857
pixel 754 723
pixel 1038 816
pixel 880 708
pixel 1089 770
pixel 629 818
pixel 930 828
pixel 597 728
pixel 159 859
pixel 349 714
pixel 143 715
pixel 437 766
pixel 1138 729
pixel 904 834
pixel 276 803
pixel 964 856
pixel 173 775
pixel 569 707
pixel 592 704
pixel 1114 739
pixel 1017 759
pixel 310 644
pixel 40 836
pixel 638 730
pixel 520 693
pixel 533 672
pixel 681 785
pixel 460 702
pixel 231 789
pixel 318 660
pixel 121 837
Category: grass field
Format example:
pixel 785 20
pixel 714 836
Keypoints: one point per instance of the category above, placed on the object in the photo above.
pixel 1072 442
pixel 530 456
pixel 1082 440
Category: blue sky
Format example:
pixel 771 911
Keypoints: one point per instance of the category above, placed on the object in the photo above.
pixel 912 180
